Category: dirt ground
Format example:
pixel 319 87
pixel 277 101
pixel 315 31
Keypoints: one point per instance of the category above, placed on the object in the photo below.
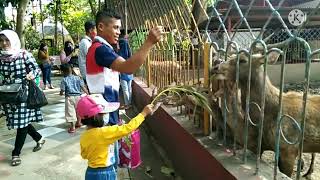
pixel 268 157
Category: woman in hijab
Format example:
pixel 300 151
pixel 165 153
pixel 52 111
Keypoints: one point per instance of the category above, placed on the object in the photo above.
pixel 69 56
pixel 67 53
pixel 14 64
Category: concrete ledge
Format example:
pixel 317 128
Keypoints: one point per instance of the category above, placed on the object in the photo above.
pixel 189 157
pixel 293 73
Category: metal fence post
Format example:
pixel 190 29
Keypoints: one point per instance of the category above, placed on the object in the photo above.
pixel 207 59
pixel 148 71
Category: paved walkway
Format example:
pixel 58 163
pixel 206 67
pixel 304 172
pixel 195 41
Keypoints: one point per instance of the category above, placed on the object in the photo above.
pixel 60 157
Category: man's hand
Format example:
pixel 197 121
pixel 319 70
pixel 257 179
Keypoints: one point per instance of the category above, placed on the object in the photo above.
pixel 155 35
pixel 139 57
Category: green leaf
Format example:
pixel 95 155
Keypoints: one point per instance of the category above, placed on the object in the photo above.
pixel 201 99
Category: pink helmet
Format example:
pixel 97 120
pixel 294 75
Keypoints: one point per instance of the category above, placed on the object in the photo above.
pixel 91 105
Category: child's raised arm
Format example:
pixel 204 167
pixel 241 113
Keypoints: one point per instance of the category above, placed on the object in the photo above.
pixel 116 132
pixel 147 110
pixel 150 109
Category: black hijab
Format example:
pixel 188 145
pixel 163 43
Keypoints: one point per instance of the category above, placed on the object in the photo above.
pixel 68 48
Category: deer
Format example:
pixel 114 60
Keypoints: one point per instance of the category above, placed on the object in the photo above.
pixel 292 105
pixel 165 69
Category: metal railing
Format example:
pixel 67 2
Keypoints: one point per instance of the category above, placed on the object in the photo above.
pixel 297 48
pixel 190 65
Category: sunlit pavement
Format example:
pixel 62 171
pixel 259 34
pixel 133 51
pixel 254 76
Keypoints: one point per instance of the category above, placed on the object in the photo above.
pixel 60 157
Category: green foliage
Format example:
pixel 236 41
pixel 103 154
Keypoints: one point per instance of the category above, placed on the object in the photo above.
pixel 211 2
pixel 2 15
pixel 32 38
pixel 199 98
pixel 185 44
pixel 170 40
pixel 14 3
pixel 136 38
pixel 47 11
pixel 189 2
pixel 74 14
pixel 3 22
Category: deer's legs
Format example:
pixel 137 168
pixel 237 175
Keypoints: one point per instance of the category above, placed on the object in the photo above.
pixel 286 162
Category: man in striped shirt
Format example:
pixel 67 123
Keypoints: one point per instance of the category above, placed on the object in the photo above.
pixel 104 64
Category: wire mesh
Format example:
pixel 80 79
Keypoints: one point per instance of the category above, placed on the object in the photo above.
pixel 297 43
pixel 182 63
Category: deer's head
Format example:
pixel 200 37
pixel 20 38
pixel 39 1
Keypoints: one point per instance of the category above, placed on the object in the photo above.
pixel 226 70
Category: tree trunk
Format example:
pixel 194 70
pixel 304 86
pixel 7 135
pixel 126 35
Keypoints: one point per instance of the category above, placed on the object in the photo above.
pixel 93 7
pixel 56 26
pixel 21 12
pixel 198 13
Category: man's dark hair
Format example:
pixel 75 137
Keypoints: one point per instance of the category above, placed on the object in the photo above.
pixel 105 14
pixel 66 69
pixel 89 25
pixel 96 121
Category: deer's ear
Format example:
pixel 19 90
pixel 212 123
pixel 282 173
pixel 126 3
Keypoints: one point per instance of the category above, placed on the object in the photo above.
pixel 273 56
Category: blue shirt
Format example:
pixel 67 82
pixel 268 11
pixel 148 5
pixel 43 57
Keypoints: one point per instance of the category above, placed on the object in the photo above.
pixel 104 56
pixel 125 52
pixel 71 85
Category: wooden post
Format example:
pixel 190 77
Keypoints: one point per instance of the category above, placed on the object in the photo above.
pixel 126 17
pixel 207 64
pixel 148 70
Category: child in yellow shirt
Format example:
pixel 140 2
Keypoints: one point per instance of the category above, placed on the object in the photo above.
pixel 97 142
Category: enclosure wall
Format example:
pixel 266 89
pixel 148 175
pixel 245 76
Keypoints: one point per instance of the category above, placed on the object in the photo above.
pixel 190 159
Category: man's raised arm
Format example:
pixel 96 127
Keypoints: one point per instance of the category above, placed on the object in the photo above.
pixel 138 58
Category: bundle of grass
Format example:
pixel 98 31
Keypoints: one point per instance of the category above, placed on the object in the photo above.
pixel 178 92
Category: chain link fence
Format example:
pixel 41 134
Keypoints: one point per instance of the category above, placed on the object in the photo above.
pixel 295 50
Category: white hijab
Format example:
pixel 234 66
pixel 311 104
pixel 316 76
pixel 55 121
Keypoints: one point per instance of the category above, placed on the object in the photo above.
pixel 15 45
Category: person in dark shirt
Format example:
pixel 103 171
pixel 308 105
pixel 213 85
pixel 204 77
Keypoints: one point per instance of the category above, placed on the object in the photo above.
pixel 125 79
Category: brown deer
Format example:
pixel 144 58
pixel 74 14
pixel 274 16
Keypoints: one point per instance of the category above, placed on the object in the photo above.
pixel 167 70
pixel 292 106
